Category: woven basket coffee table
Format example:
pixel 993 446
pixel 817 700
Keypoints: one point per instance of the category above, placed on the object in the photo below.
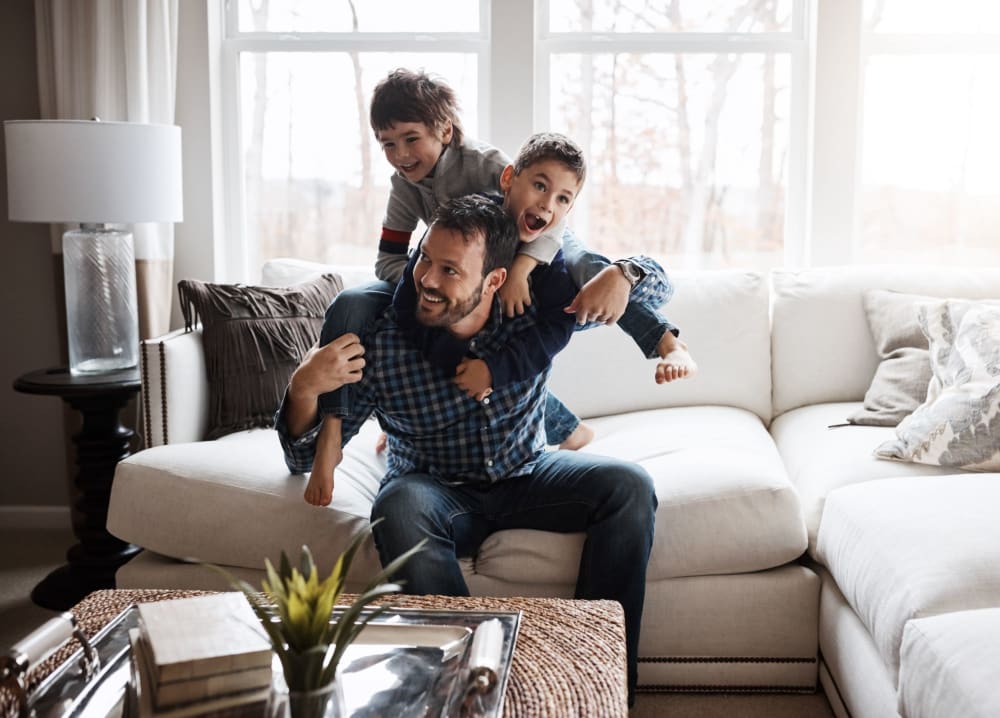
pixel 569 659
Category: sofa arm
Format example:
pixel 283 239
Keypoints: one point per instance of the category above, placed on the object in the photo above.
pixel 174 388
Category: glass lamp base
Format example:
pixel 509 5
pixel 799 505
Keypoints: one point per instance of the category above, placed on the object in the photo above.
pixel 102 315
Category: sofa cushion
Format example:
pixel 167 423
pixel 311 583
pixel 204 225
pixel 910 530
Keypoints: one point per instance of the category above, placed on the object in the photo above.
pixel 726 505
pixel 821 348
pixel 908 548
pixel 821 453
pixel 232 501
pixel 253 338
pixel 959 424
pixel 948 665
pixel 900 382
pixel 725 502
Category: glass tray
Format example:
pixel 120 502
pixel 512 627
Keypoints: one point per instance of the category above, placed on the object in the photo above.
pixel 410 662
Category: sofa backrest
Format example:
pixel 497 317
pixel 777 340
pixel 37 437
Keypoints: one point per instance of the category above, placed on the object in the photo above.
pixel 821 347
pixel 722 316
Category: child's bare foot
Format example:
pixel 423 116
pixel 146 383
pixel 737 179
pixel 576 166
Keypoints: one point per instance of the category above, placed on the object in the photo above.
pixel 319 490
pixel 676 362
pixel 381 442
pixel 581 436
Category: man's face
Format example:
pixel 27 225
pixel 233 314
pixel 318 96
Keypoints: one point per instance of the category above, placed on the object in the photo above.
pixel 413 148
pixel 448 276
pixel 539 197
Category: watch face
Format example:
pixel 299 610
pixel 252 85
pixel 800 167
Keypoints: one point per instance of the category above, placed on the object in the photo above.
pixel 629 271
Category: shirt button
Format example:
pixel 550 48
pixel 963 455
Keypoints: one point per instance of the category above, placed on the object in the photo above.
pixel 486 400
pixel 489 462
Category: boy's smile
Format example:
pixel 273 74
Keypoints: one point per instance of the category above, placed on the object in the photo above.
pixel 540 196
pixel 413 148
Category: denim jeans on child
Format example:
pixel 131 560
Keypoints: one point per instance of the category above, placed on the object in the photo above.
pixel 612 501
pixel 354 310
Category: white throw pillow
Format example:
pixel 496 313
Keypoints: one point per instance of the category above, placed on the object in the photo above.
pixel 959 424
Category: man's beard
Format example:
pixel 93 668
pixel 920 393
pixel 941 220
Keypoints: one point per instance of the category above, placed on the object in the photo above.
pixel 453 310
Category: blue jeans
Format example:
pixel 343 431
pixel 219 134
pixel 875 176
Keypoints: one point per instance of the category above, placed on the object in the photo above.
pixel 612 501
pixel 356 309
pixel 640 321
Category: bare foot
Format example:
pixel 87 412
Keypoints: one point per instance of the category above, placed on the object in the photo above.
pixel 676 362
pixel 581 436
pixel 319 490
pixel 381 442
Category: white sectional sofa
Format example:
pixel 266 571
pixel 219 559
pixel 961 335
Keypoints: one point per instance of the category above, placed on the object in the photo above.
pixel 784 550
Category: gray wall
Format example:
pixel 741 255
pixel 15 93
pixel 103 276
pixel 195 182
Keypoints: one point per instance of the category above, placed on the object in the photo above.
pixel 33 453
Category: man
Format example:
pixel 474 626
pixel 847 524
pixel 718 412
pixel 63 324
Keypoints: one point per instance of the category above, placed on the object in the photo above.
pixel 459 468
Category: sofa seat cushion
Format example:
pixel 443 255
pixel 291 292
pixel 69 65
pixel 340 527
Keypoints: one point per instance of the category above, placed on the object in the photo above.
pixel 820 459
pixel 913 547
pixel 232 502
pixel 725 502
pixel 948 665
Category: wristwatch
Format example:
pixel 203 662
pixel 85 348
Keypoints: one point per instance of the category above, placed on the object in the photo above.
pixel 633 273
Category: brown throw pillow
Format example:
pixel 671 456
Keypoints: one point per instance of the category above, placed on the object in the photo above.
pixel 253 337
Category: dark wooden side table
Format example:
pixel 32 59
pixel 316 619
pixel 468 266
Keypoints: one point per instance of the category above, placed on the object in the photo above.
pixel 100 444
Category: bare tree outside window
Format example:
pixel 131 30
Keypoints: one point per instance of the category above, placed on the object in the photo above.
pixel 688 151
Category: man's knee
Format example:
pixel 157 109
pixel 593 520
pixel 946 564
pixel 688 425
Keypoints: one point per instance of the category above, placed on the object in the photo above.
pixel 636 485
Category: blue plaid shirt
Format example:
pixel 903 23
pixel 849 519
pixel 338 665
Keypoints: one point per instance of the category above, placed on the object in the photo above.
pixel 433 427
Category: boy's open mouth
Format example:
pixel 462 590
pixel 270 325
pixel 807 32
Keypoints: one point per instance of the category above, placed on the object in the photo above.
pixel 533 221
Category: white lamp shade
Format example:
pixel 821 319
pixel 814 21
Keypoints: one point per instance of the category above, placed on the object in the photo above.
pixel 88 171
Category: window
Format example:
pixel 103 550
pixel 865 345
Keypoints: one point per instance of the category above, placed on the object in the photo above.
pixel 313 182
pixel 685 111
pixel 719 133
pixel 930 190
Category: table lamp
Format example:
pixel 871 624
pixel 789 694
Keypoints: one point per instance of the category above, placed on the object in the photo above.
pixel 95 173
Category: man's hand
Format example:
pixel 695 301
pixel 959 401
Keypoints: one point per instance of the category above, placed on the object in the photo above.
pixel 602 299
pixel 473 377
pixel 322 369
pixel 329 367
pixel 515 293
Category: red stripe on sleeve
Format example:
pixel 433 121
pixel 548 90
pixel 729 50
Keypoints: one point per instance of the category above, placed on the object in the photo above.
pixel 396 236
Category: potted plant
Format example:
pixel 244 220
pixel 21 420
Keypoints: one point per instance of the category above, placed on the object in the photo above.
pixel 308 642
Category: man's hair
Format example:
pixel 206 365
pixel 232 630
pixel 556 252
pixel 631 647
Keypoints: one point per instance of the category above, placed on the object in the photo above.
pixel 543 146
pixel 475 214
pixel 408 96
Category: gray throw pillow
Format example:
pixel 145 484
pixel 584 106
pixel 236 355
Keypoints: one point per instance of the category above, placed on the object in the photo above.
pixel 900 382
pixel 253 338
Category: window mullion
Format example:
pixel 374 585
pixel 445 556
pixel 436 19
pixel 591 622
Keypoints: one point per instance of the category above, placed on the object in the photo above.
pixel 512 73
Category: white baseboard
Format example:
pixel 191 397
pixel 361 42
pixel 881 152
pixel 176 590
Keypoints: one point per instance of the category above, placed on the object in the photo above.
pixel 39 518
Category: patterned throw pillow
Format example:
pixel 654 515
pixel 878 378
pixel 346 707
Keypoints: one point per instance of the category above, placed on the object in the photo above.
pixel 253 337
pixel 959 424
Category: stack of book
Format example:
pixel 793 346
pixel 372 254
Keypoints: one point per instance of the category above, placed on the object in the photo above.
pixel 199 656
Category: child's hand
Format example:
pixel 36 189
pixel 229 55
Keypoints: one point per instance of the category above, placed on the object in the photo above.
pixel 515 293
pixel 602 299
pixel 473 377
pixel 515 296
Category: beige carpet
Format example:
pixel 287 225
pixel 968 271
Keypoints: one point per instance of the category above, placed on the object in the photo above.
pixel 35 553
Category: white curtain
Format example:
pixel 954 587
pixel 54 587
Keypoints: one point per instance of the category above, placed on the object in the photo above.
pixel 116 60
